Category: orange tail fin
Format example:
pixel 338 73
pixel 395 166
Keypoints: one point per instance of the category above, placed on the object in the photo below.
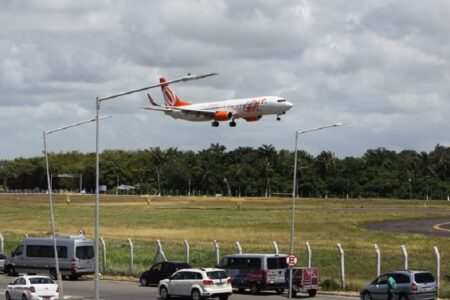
pixel 170 97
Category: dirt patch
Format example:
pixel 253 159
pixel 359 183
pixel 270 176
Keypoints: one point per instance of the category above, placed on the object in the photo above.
pixel 432 226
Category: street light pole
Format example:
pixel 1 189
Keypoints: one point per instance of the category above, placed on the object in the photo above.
pixel 294 190
pixel 98 102
pixel 50 200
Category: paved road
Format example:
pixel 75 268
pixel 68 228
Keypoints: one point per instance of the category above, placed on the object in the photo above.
pixel 114 290
pixel 432 226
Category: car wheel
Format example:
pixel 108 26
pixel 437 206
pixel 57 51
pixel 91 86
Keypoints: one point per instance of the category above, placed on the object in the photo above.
pixel 7 296
pixel 254 289
pixel 293 293
pixel 53 274
pixel 143 281
pixel 367 296
pixel 11 271
pixel 164 293
pixel 223 297
pixel 195 295
pixel 24 297
pixel 403 297
pixel 312 293
pixel 279 291
pixel 241 290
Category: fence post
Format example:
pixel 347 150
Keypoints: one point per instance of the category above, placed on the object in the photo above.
pixel 131 267
pixel 216 246
pixel 104 254
pixel 438 268
pixel 405 254
pixel 377 250
pixel 239 248
pixel 2 243
pixel 26 235
pixel 275 247
pixel 341 252
pixel 308 247
pixel 186 247
pixel 160 256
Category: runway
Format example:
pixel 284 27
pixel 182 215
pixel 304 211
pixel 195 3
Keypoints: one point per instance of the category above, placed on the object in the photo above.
pixel 432 226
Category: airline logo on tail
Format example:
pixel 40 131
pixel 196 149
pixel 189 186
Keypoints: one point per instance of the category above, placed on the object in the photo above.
pixel 170 97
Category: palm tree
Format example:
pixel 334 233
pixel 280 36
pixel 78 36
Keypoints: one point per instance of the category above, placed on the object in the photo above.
pixel 267 152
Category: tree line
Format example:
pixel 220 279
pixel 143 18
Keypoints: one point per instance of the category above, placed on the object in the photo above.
pixel 244 171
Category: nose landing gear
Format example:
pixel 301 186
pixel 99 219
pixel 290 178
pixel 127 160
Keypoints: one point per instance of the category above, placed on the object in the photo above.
pixel 232 123
pixel 215 124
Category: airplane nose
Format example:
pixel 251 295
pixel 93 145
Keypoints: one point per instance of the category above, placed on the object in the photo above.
pixel 289 105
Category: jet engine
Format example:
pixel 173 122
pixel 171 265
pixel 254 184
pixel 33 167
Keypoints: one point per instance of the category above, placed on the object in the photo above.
pixel 223 115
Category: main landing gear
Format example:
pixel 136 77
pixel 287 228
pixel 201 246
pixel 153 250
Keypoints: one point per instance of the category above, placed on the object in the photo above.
pixel 216 124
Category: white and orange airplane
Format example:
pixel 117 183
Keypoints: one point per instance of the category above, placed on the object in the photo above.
pixel 249 109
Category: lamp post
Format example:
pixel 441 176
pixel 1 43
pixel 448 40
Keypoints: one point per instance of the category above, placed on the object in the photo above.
pixel 50 200
pixel 98 102
pixel 294 189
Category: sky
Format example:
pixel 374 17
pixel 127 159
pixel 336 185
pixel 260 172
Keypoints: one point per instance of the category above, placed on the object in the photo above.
pixel 382 67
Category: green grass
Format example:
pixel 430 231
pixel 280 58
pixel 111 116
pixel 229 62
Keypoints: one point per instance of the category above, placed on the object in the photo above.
pixel 259 221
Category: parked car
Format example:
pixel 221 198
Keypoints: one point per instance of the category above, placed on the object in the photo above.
pixel 412 285
pixel 36 255
pixel 197 283
pixel 2 262
pixel 160 271
pixel 32 287
pixel 256 271
pixel 304 280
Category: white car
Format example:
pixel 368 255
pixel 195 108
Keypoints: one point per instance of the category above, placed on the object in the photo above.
pixel 32 288
pixel 2 262
pixel 197 283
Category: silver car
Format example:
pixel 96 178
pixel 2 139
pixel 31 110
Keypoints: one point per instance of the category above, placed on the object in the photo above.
pixel 2 262
pixel 412 285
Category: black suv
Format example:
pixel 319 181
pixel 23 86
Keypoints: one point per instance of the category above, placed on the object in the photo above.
pixel 161 271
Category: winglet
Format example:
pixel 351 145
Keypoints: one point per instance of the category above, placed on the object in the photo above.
pixel 152 101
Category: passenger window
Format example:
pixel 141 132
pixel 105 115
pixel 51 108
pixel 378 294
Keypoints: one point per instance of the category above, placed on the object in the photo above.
pixel 16 282
pixel 382 279
pixel 85 252
pixel 22 281
pixel 198 276
pixel 276 263
pixel 401 278
pixel 424 277
pixel 190 276
pixel 253 263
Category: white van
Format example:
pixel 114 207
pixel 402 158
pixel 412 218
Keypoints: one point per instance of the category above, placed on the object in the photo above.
pixel 256 271
pixel 36 255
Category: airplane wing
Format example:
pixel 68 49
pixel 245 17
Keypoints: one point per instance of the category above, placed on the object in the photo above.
pixel 183 109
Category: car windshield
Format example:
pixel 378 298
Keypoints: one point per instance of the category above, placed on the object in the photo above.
pixel 2 256
pixel 41 280
pixel 423 277
pixel 217 275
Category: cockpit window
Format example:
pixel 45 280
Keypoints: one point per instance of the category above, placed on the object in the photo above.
pixel 281 100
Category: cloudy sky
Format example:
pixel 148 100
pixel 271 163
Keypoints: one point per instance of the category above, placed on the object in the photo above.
pixel 381 66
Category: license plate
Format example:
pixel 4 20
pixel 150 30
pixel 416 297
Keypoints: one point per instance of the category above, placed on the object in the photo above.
pixel 427 288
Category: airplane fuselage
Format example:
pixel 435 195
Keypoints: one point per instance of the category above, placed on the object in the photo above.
pixel 247 108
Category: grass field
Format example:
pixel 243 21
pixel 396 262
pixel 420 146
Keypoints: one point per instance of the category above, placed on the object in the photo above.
pixel 258 222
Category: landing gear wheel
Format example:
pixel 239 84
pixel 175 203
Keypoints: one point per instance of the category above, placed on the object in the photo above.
pixel 232 124
pixel 278 118
pixel 215 124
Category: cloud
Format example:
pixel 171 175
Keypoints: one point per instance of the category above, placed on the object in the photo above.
pixel 381 66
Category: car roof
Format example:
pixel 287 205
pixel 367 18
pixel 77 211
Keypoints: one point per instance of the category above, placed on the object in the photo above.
pixel 255 254
pixel 201 270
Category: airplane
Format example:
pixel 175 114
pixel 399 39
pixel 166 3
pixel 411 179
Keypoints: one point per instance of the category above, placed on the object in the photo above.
pixel 249 109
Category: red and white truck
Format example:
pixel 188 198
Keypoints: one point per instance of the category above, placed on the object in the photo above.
pixel 305 280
